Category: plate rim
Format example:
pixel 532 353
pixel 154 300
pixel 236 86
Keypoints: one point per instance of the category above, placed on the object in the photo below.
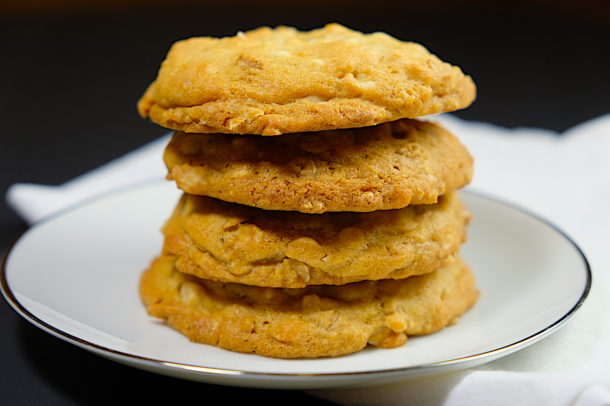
pixel 110 353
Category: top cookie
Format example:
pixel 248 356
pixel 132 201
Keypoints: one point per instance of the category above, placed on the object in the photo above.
pixel 277 81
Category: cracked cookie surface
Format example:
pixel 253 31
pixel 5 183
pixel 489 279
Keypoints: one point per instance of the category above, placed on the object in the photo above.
pixel 316 321
pixel 234 243
pixel 277 81
pixel 387 166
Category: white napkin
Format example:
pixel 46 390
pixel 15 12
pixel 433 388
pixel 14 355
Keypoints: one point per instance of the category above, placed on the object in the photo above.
pixel 35 202
pixel 564 178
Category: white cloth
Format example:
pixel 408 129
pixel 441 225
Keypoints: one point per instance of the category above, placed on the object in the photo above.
pixel 34 202
pixel 565 178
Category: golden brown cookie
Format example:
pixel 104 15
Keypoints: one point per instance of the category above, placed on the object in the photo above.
pixel 388 166
pixel 310 322
pixel 234 243
pixel 278 81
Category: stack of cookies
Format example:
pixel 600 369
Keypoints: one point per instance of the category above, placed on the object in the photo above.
pixel 318 216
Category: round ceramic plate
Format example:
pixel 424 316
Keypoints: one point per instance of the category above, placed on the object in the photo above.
pixel 76 276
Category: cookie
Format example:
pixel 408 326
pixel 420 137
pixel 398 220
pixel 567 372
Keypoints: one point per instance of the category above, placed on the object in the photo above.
pixel 277 81
pixel 388 166
pixel 316 321
pixel 234 243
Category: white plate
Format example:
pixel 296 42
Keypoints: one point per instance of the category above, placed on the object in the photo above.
pixel 76 277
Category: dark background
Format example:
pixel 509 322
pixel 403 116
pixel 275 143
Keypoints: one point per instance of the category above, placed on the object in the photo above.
pixel 72 71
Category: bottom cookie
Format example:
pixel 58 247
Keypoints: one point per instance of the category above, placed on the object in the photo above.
pixel 311 322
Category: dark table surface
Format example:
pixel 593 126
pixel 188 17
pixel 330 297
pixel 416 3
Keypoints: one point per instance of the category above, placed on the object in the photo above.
pixel 68 88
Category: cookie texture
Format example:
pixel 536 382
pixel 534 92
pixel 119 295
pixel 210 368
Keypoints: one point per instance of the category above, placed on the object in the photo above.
pixel 310 322
pixel 233 243
pixel 387 166
pixel 277 81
